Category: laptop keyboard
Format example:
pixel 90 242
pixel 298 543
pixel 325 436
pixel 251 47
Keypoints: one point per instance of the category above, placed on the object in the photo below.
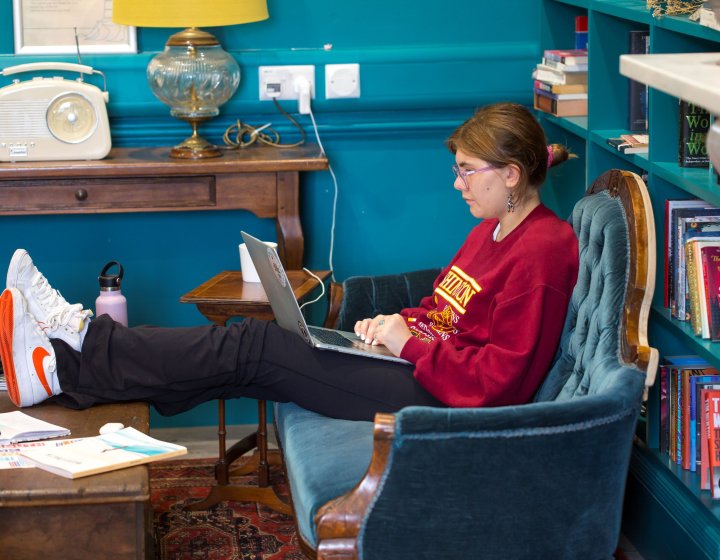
pixel 330 337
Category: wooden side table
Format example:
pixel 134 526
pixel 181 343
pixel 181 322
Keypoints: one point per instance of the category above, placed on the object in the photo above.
pixel 220 298
pixel 261 179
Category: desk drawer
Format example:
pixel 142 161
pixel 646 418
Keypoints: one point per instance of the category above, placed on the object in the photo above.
pixel 107 195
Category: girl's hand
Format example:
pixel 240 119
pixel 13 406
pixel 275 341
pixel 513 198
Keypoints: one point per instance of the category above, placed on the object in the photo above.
pixel 390 330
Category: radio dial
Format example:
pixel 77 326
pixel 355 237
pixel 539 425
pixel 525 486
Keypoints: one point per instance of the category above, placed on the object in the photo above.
pixel 71 118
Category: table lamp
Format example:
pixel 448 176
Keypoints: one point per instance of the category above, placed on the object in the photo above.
pixel 194 76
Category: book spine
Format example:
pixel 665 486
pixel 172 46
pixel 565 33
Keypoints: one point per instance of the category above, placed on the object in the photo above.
pixel 685 413
pixel 678 417
pixel 638 92
pixel 672 415
pixel 711 260
pixel 714 442
pixel 692 131
pixel 581 32
pixel 704 447
pixel 668 276
pixel 693 293
pixel 681 314
pixel 664 408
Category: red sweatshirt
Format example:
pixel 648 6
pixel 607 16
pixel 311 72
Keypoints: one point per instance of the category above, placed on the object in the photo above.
pixel 488 333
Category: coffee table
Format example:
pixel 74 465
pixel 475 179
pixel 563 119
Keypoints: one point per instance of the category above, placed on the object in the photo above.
pixel 108 515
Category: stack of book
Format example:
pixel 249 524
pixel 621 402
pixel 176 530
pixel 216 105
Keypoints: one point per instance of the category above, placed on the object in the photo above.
pixel 631 143
pixel 560 83
pixel 690 417
pixel 692 265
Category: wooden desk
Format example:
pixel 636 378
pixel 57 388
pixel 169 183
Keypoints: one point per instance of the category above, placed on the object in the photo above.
pixel 220 298
pixel 260 179
pixel 109 515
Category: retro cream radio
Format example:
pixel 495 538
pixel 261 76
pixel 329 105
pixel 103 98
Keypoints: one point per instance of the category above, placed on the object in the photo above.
pixel 53 118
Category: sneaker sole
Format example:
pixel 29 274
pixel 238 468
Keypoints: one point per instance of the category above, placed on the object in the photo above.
pixel 7 327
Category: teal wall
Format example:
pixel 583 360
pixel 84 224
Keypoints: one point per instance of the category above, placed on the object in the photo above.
pixel 424 67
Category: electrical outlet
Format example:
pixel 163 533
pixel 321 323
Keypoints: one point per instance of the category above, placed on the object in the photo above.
pixel 342 80
pixel 278 82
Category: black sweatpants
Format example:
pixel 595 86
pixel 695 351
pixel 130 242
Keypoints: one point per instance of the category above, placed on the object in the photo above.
pixel 175 369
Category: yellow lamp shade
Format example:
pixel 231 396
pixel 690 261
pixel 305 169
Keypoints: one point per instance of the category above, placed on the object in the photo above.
pixel 188 13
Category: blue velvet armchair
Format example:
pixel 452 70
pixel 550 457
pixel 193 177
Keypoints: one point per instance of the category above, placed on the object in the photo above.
pixel 539 480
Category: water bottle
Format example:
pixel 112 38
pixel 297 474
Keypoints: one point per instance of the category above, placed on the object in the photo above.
pixel 111 300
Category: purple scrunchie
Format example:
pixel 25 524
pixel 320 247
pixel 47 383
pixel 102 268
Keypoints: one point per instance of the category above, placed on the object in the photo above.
pixel 550 156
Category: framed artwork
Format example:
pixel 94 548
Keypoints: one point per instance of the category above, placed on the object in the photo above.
pixel 61 26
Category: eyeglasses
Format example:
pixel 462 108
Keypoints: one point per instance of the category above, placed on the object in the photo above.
pixel 465 173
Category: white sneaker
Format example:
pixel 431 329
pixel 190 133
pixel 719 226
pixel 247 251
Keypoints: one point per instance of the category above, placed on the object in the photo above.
pixel 28 358
pixel 56 316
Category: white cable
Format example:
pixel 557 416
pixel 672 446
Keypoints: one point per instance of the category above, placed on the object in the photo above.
pixel 322 285
pixel 335 197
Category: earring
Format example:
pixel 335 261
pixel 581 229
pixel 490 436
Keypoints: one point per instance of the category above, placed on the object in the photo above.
pixel 510 203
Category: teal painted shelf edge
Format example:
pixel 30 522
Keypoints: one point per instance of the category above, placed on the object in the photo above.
pixel 678 491
pixel 577 125
pixel 637 10
pixel 577 3
pixel 632 10
pixel 699 182
pixel 703 347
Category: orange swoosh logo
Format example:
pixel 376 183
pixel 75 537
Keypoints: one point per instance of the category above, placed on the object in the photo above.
pixel 38 356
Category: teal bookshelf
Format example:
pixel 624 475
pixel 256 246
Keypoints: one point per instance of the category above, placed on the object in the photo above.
pixel 666 514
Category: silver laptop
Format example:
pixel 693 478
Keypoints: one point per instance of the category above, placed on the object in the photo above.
pixel 287 311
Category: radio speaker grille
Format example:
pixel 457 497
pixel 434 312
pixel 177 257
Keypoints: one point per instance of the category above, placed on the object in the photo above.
pixel 24 120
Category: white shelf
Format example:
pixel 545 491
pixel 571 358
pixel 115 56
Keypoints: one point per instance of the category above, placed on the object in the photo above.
pixel 694 77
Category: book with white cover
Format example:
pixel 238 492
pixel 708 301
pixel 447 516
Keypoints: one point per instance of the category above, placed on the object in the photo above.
pixel 92 455
pixel 17 426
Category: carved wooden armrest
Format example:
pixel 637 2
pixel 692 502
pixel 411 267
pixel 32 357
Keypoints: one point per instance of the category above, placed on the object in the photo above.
pixel 338 521
pixel 334 301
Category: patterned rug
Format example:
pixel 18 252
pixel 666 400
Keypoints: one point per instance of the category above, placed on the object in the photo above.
pixel 227 531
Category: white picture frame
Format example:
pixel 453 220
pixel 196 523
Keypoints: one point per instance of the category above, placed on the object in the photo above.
pixel 49 27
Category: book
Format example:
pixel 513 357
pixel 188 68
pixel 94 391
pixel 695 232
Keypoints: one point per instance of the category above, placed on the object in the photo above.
pixel 639 43
pixel 670 397
pixel 561 96
pixel 697 385
pixel 696 280
pixel 92 455
pixel 560 107
pixel 705 448
pixel 687 223
pixel 626 147
pixel 692 131
pixel 671 206
pixel 561 88
pixel 581 32
pixel 707 223
pixel 710 258
pixel 566 67
pixel 685 411
pixel 637 140
pixel 17 426
pixel 570 57
pixel 552 75
pixel 713 441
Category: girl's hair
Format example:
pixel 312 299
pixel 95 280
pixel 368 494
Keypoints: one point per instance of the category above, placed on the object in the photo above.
pixel 508 133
